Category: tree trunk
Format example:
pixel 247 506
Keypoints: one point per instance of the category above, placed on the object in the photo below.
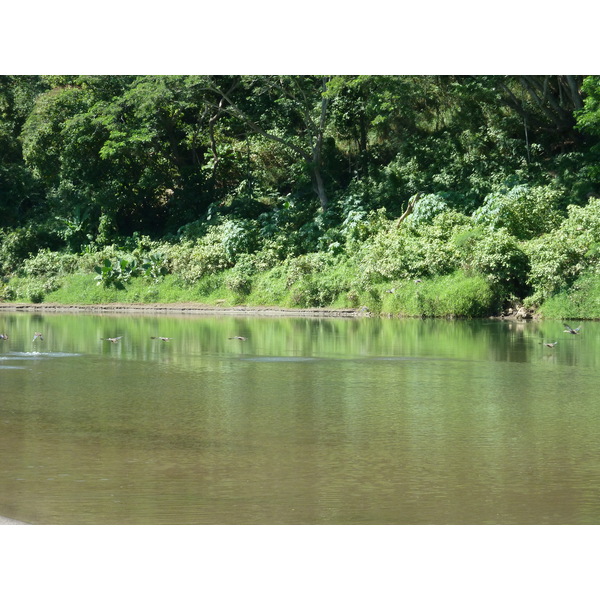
pixel 319 187
pixel 315 130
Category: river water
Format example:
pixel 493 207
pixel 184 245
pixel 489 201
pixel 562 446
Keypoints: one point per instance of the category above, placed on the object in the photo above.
pixel 307 421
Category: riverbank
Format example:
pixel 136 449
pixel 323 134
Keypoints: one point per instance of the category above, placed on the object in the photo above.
pixel 182 308
pixel 305 293
pixel 193 308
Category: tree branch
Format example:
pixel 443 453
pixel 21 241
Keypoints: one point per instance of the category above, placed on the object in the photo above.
pixel 233 110
pixel 411 205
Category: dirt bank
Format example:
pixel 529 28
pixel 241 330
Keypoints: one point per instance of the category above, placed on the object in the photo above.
pixel 183 308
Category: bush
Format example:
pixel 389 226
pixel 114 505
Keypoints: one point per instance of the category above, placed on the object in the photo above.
pixel 501 259
pixel 117 273
pixel 29 290
pixel 19 244
pixel 525 212
pixel 427 208
pixel 216 251
pixel 557 259
pixel 47 264
pixel 580 301
pixel 302 267
pixel 412 251
pixel 239 278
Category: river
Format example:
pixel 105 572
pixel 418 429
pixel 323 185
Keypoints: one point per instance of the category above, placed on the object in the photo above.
pixel 307 421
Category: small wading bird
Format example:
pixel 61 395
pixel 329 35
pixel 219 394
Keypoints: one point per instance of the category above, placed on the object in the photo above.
pixel 113 340
pixel 37 335
pixel 238 337
pixel 569 329
pixel 162 339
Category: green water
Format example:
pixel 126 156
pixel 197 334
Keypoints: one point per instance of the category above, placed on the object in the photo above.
pixel 308 421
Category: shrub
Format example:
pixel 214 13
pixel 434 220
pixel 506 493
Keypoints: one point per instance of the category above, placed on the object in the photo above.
pixel 558 258
pixel 36 295
pixel 19 244
pixel 412 251
pixel 237 237
pixel 216 251
pixel 239 278
pixel 383 257
pixel 301 267
pixel 500 257
pixel 117 273
pixel 525 212
pixel 29 290
pixel 427 208
pixel 47 264
pixel 580 301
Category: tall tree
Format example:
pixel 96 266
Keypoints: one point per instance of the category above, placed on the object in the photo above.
pixel 18 193
pixel 292 111
pixel 131 147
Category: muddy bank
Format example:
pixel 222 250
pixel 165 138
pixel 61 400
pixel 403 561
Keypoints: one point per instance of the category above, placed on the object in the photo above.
pixel 183 308
pixel 192 308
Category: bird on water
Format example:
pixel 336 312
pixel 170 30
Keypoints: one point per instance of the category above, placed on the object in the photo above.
pixel 238 337
pixel 162 339
pixel 569 329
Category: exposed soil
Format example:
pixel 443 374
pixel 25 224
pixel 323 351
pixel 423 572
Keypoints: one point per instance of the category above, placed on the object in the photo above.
pixel 183 307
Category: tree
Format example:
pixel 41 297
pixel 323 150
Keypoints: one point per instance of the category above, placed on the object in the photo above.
pixel 588 117
pixel 129 147
pixel 292 111
pixel 19 194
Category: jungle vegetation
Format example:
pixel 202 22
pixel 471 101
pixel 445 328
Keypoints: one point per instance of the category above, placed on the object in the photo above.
pixel 410 195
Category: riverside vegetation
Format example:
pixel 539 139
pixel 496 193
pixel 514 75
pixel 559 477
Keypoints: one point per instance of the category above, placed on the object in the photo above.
pixel 413 196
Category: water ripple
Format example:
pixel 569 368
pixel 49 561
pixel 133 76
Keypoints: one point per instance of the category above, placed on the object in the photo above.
pixel 279 359
pixel 37 355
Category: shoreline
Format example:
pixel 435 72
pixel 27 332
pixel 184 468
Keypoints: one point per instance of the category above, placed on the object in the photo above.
pixel 181 308
pixel 196 308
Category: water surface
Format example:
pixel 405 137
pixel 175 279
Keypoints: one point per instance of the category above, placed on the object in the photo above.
pixel 308 421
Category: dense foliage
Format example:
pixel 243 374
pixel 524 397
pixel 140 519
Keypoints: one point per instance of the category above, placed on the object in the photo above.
pixel 392 192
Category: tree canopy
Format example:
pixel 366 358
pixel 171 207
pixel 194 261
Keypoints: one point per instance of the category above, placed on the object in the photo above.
pixel 154 153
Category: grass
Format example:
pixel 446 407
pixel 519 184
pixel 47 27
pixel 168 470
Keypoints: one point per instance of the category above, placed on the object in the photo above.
pixel 455 295
pixel 580 301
